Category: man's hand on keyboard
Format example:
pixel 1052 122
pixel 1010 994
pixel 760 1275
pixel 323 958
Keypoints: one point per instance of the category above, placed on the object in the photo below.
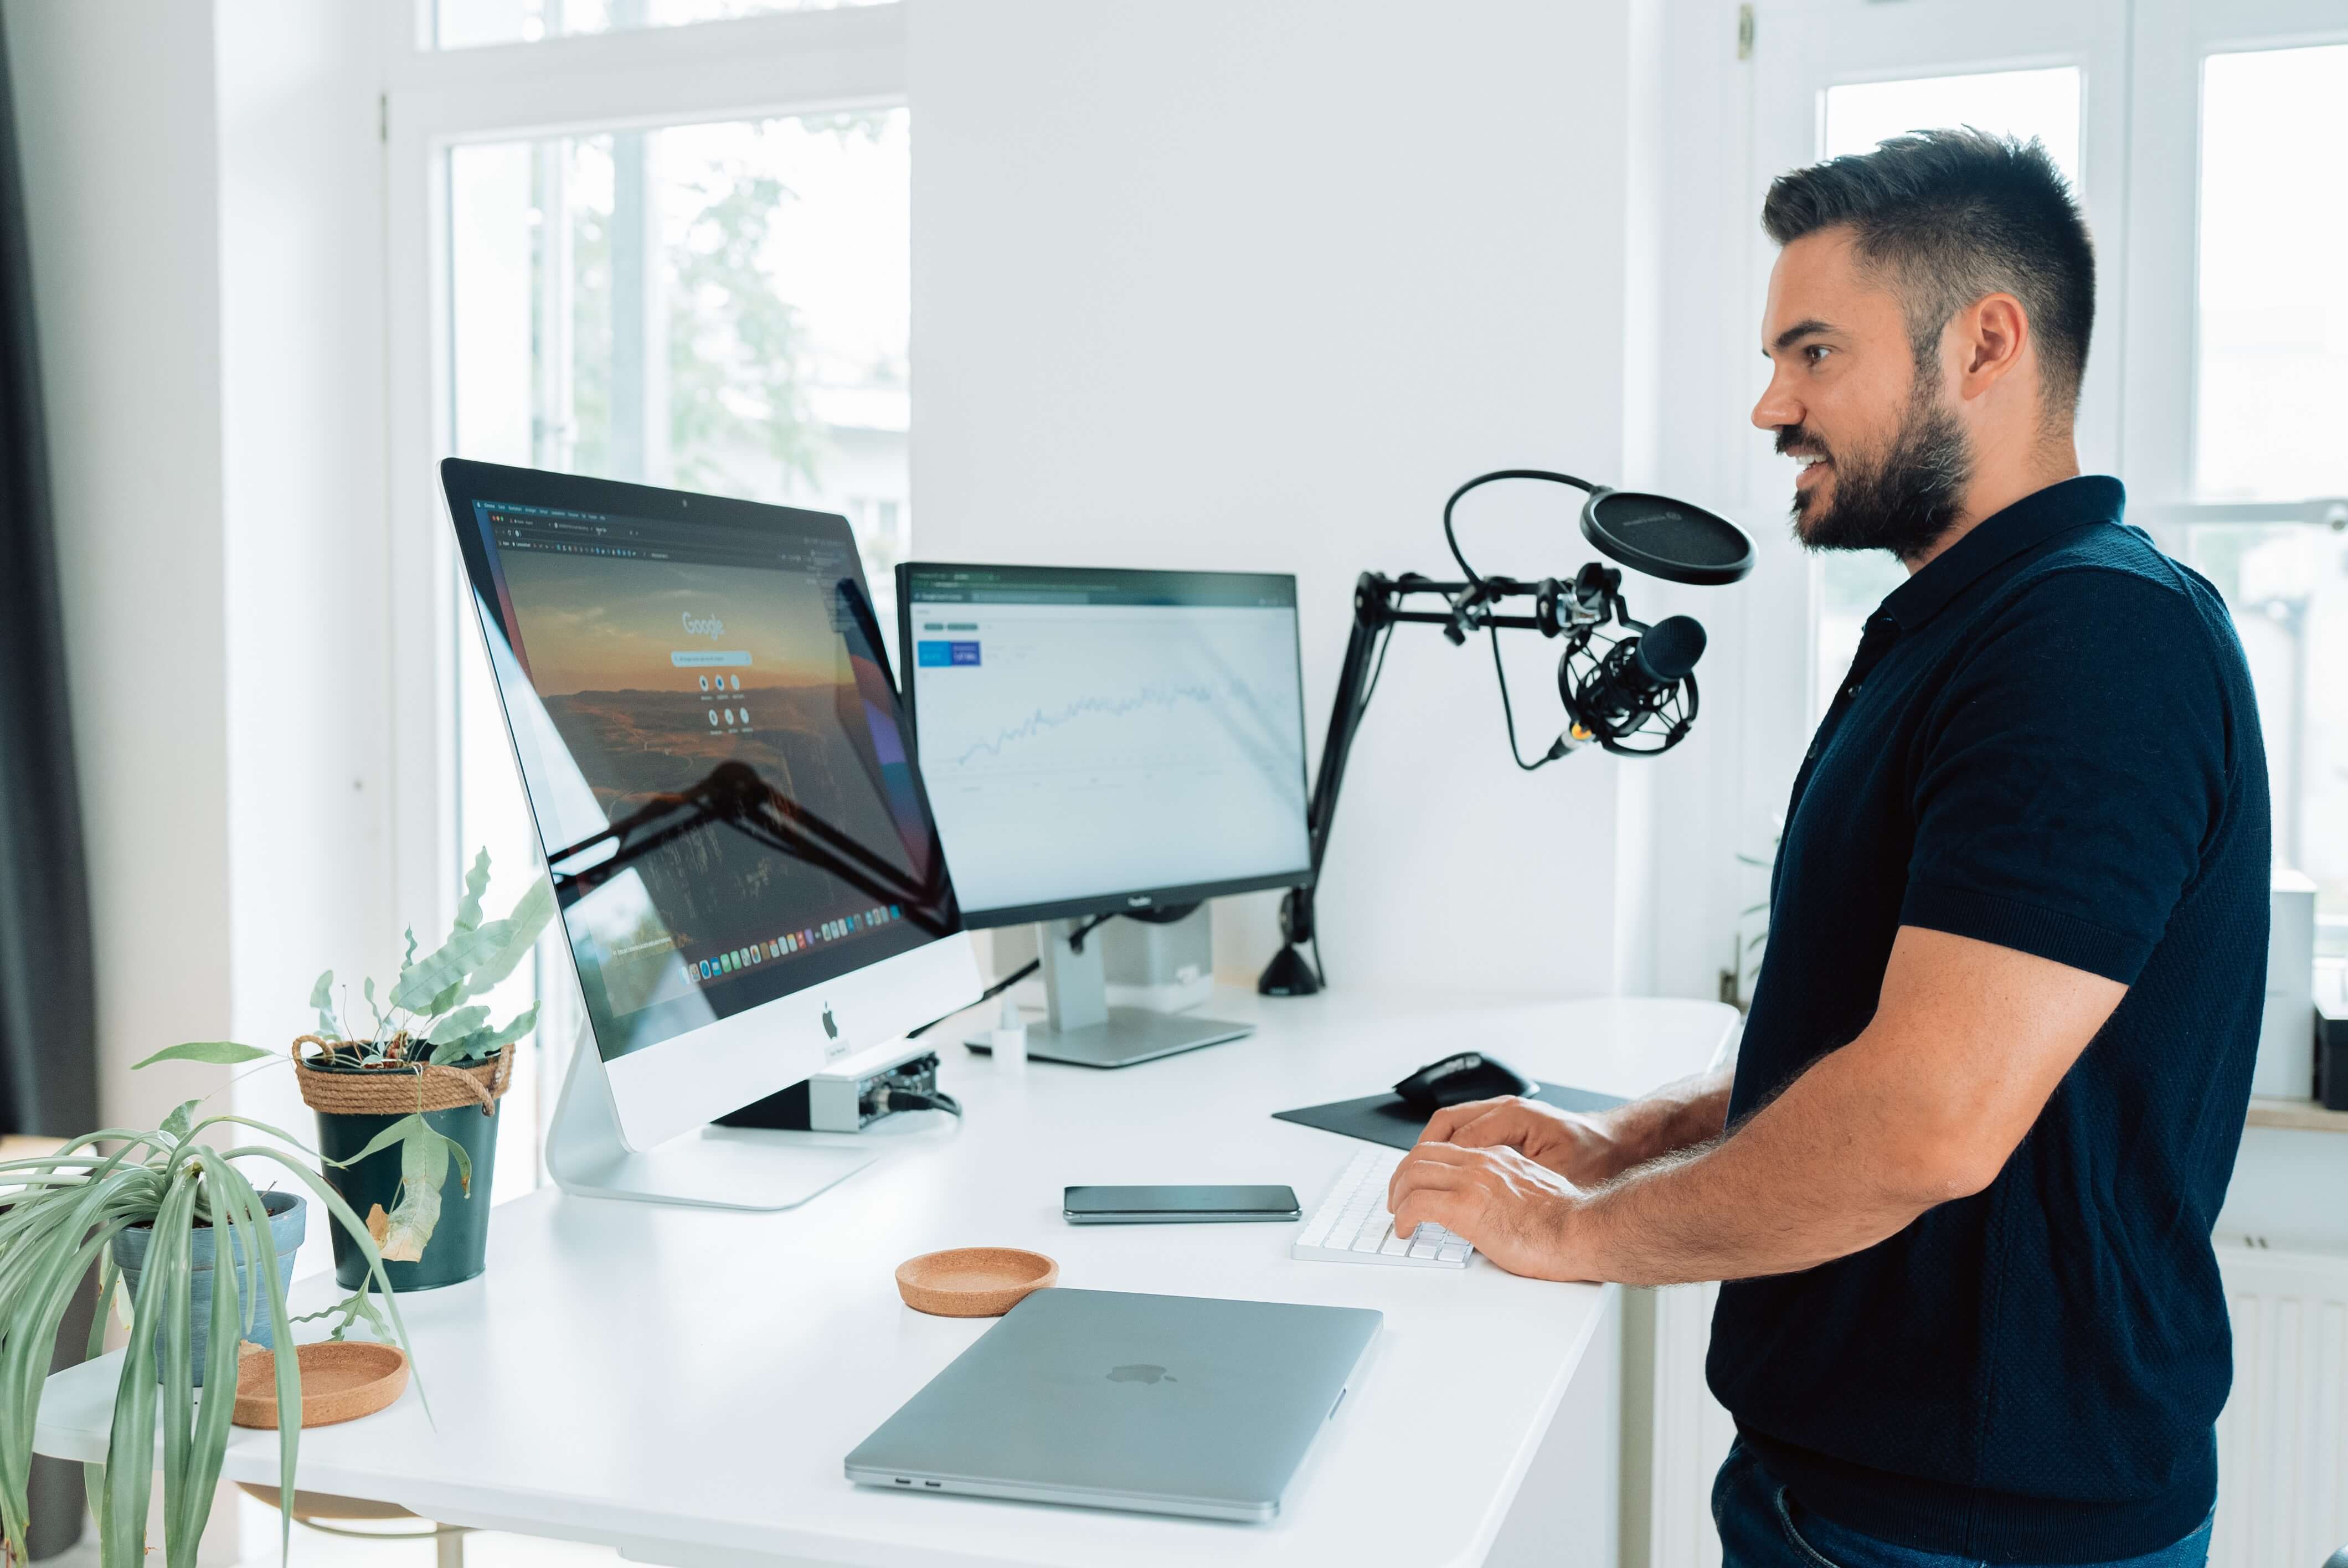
pixel 1515 1211
pixel 1576 1147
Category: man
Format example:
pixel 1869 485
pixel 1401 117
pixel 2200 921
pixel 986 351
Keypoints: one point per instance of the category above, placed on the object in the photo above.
pixel 1963 1177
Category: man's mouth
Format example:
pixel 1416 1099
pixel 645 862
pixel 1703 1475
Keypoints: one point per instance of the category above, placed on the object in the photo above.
pixel 1807 466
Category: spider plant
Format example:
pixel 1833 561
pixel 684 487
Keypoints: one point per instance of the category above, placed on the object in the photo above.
pixel 60 1214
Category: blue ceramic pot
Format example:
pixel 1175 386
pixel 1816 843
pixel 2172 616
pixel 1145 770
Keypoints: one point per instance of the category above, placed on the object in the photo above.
pixel 288 1218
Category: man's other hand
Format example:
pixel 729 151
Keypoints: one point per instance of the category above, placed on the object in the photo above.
pixel 1517 1213
pixel 1576 1147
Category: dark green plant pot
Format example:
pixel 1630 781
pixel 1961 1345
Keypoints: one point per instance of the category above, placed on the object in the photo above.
pixel 459 1246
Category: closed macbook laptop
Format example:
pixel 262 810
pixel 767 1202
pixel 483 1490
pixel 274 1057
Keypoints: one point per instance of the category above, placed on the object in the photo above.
pixel 1163 1404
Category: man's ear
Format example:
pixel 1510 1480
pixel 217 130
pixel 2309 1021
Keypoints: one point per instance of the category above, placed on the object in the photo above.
pixel 1993 334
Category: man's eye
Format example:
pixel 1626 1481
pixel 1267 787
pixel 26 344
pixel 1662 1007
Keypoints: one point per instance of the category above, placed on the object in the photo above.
pixel 1816 351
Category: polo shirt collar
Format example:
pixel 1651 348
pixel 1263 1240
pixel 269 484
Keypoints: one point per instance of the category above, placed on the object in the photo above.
pixel 1998 537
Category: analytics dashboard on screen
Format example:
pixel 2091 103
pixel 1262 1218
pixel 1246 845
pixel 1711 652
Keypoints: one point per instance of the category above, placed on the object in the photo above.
pixel 1084 733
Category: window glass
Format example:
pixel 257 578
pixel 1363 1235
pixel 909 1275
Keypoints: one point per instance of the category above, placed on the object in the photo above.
pixel 463 23
pixel 2272 399
pixel 2287 584
pixel 719 307
pixel 1857 115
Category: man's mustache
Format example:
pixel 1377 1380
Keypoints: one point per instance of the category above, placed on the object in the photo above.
pixel 1794 437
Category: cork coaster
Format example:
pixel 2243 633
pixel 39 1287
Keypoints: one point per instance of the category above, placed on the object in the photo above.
pixel 974 1281
pixel 341 1381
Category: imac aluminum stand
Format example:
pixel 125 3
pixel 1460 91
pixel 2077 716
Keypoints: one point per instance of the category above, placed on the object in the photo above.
pixel 1080 1026
pixel 716 1168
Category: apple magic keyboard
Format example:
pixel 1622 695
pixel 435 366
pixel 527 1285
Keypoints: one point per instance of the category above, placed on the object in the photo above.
pixel 1352 1225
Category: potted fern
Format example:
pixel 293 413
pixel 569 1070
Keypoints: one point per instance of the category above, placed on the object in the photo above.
pixel 417 1087
pixel 203 1256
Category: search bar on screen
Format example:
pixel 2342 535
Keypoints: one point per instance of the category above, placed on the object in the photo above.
pixel 709 658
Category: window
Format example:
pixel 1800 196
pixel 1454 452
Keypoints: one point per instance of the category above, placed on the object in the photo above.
pixel 2258 509
pixel 2271 398
pixel 720 307
pixel 693 271
pixel 1856 117
pixel 464 24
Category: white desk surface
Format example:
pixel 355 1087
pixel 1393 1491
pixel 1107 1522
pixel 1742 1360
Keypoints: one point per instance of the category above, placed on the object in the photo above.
pixel 683 1384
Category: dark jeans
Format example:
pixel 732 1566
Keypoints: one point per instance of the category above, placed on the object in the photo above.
pixel 1761 1526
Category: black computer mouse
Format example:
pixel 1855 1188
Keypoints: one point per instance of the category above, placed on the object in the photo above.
pixel 1456 1080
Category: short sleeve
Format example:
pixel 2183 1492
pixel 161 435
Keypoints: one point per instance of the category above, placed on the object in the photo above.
pixel 2073 768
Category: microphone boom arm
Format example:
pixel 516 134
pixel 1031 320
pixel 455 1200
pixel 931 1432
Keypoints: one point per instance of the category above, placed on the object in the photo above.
pixel 1571 609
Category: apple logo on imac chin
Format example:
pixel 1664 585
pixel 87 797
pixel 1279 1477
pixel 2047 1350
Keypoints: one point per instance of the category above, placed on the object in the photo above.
pixel 830 1029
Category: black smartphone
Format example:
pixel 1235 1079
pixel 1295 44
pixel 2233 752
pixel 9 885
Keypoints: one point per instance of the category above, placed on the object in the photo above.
pixel 1177 1205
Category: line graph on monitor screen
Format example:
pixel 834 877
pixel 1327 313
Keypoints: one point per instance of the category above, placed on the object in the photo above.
pixel 1069 748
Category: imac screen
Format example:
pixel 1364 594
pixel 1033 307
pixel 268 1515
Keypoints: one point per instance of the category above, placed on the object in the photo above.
pixel 710 742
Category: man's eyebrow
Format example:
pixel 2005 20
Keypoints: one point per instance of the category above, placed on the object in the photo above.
pixel 1798 332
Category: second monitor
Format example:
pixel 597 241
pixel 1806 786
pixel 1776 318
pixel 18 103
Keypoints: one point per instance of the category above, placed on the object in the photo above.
pixel 1102 741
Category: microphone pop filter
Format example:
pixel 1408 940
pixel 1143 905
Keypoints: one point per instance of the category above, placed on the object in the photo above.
pixel 1666 539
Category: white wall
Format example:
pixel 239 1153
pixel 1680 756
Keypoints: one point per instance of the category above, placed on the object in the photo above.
pixel 1221 284
pixel 115 115
pixel 206 206
pixel 302 427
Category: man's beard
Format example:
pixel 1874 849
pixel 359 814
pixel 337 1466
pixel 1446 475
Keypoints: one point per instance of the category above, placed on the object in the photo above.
pixel 1901 502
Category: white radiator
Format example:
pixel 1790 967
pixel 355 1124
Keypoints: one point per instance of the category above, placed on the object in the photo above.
pixel 2282 1462
pixel 1691 1434
pixel 2282 1442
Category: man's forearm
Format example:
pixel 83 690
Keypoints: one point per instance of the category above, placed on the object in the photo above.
pixel 1675 1117
pixel 1804 1181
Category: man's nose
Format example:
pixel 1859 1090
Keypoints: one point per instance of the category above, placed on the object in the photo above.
pixel 1775 410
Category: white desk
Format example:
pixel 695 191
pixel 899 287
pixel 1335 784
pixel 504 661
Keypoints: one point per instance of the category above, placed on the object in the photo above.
pixel 681 1384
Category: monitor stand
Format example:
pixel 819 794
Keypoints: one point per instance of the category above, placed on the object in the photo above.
pixel 1080 1027
pixel 715 1168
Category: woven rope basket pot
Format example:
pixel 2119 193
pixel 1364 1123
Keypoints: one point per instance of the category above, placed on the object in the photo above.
pixel 355 1103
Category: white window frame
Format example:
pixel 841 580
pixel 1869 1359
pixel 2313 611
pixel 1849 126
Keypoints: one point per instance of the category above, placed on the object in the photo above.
pixel 2172 38
pixel 792 63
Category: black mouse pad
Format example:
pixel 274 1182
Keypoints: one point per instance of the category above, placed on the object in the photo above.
pixel 1385 1119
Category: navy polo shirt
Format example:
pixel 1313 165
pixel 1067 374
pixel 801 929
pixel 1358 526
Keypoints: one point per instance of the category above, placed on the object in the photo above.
pixel 2048 741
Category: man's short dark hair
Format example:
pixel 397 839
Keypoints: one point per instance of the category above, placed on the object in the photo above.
pixel 1950 216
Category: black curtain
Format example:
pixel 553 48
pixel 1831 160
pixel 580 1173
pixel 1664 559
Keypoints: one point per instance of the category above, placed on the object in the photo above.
pixel 48 1025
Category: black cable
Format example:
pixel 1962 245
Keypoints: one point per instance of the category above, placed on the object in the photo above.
pixel 1362 708
pixel 1452 539
pixel 1557 747
pixel 1077 937
pixel 895 1099
pixel 1075 945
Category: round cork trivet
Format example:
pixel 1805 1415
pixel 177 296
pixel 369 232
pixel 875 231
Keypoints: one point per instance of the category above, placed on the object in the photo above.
pixel 341 1381
pixel 974 1281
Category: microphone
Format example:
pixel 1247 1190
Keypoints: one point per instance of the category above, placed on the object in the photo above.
pixel 1632 690
pixel 1610 697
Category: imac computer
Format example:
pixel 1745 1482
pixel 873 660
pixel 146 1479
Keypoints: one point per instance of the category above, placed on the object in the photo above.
pixel 1105 742
pixel 748 875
